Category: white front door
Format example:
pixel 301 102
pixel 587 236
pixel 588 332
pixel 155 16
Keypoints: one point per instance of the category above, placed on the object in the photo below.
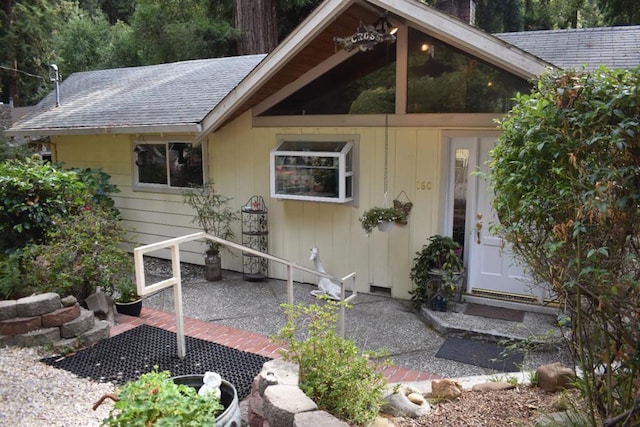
pixel 491 269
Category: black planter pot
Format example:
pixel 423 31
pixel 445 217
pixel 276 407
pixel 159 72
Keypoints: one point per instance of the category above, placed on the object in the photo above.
pixel 230 417
pixel 129 308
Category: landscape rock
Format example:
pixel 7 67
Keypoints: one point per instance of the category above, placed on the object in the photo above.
pixel 69 301
pixel 79 325
pixel 100 303
pixel 317 418
pixel 38 337
pixel 446 389
pixel 277 371
pixel 493 386
pixel 416 398
pixel 399 405
pixel 20 325
pixel 566 418
pixel 99 331
pixel 37 305
pixel 555 377
pixel 60 316
pixel 8 309
pixel 283 402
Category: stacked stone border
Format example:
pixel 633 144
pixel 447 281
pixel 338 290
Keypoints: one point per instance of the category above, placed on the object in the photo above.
pixel 48 320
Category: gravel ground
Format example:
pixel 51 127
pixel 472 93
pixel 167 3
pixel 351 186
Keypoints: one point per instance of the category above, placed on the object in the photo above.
pixel 34 394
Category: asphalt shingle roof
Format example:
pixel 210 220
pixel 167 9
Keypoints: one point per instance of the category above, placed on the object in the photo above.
pixel 615 47
pixel 166 94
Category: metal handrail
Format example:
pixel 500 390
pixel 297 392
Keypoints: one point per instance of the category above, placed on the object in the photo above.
pixel 176 282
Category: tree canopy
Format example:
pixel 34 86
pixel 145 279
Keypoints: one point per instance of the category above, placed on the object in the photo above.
pixel 80 35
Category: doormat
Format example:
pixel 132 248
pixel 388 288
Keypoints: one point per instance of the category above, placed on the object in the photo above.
pixel 130 354
pixel 494 312
pixel 477 353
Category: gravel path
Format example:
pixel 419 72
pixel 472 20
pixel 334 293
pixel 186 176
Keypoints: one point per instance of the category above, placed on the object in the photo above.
pixel 35 394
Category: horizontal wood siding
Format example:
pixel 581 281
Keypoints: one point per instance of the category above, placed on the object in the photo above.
pixel 238 161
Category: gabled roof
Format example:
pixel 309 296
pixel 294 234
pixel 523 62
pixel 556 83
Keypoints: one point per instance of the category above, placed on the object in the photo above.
pixel 615 47
pixel 201 96
pixel 162 98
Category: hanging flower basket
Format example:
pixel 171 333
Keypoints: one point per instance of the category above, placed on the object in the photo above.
pixel 376 216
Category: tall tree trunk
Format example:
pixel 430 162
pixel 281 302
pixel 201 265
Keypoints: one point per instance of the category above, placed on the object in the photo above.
pixel 258 22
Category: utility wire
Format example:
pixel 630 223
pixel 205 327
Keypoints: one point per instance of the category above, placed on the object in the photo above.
pixel 21 72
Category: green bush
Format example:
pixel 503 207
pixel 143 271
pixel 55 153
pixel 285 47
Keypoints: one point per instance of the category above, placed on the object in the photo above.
pixel 83 251
pixel 34 194
pixel 333 372
pixel 566 178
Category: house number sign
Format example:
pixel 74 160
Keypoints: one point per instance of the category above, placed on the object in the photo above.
pixel 424 185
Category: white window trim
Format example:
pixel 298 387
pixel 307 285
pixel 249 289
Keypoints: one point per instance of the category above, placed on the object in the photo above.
pixel 163 188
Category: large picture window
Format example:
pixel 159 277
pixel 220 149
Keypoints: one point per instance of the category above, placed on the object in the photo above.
pixel 168 164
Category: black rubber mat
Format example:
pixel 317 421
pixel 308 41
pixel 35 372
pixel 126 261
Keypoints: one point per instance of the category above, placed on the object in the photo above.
pixel 132 353
pixel 494 312
pixel 477 353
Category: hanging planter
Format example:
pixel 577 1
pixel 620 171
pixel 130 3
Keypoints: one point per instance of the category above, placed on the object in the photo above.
pixel 380 217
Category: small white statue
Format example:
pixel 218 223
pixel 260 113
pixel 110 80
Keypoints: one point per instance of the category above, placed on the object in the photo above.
pixel 325 285
pixel 212 382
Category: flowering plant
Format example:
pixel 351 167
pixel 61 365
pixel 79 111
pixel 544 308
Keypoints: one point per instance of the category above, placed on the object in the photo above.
pixel 377 215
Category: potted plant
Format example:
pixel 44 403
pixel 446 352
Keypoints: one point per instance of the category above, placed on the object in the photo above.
pixel 381 217
pixel 157 399
pixel 214 216
pixel 127 299
pixel 437 268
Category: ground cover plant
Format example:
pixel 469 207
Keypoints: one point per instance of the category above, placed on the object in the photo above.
pixel 333 372
pixel 566 177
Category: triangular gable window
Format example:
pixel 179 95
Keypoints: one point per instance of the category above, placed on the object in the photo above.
pixel 365 83
pixel 440 79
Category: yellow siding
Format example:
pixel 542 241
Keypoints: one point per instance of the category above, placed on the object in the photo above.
pixel 238 161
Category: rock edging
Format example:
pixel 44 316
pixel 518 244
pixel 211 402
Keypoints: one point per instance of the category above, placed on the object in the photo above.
pixel 46 319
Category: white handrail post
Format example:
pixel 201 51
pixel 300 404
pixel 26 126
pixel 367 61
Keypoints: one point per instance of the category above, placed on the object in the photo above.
pixel 177 300
pixel 290 284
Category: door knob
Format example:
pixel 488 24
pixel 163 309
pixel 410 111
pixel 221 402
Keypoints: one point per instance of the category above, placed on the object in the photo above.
pixel 478 226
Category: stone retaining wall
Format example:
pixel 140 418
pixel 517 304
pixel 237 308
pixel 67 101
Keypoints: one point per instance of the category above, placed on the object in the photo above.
pixel 46 319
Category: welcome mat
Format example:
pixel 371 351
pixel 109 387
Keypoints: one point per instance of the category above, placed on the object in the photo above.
pixel 130 354
pixel 477 353
pixel 494 312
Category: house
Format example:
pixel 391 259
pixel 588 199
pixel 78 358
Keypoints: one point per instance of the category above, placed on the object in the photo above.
pixel 337 119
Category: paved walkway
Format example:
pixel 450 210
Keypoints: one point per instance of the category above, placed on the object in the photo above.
pixel 243 314
pixel 235 338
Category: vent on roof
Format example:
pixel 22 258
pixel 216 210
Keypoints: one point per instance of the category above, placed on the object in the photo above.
pixel 55 78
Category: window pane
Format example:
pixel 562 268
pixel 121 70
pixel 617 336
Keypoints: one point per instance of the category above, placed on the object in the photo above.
pixel 442 79
pixel 152 163
pixel 460 195
pixel 185 165
pixel 363 84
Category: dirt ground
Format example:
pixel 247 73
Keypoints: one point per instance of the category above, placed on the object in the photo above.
pixel 520 407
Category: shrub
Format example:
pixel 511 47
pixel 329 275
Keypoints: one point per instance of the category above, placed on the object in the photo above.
pixel 332 371
pixel 567 191
pixel 33 194
pixel 84 251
